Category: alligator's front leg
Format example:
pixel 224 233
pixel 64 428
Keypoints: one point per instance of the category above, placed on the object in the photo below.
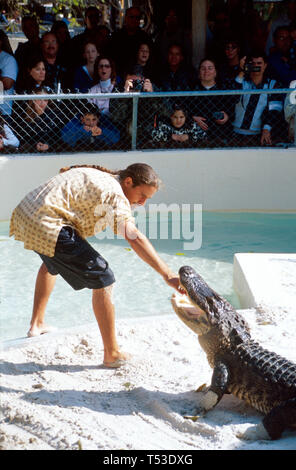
pixel 218 387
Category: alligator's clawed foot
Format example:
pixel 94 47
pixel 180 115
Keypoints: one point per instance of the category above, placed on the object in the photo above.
pixel 254 433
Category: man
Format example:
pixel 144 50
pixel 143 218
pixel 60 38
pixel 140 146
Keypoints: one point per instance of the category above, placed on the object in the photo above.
pixel 284 19
pixel 8 76
pixel 257 115
pixel 56 72
pixel 281 66
pixel 55 219
pixel 25 50
pixel 125 42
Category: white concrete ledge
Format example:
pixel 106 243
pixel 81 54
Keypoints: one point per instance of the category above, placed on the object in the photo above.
pixel 266 281
pixel 258 179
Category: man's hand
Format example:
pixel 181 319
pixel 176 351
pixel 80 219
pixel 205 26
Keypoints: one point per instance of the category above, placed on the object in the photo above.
pixel 265 137
pixel 173 281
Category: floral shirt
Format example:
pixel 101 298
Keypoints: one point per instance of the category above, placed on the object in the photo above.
pixel 163 132
pixel 86 199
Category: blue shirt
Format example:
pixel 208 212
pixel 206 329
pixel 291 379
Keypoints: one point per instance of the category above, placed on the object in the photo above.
pixel 9 69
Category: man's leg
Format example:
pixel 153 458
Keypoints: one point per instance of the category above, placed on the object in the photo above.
pixel 105 315
pixel 44 285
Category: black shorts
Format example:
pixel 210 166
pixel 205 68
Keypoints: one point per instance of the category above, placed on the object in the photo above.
pixel 78 262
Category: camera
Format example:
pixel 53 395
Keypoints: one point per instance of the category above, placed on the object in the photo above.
pixel 138 84
pixel 218 115
pixel 248 68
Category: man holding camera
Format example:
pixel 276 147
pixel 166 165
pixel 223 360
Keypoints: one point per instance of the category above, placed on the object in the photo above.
pixel 256 115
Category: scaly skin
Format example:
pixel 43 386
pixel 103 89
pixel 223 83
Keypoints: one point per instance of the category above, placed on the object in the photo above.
pixel 241 366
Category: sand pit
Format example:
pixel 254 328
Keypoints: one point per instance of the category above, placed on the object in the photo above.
pixel 55 393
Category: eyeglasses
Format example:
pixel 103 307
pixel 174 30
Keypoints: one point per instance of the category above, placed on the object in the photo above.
pixel 230 47
pixel 106 66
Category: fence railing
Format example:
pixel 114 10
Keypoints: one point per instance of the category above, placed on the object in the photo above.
pixel 55 123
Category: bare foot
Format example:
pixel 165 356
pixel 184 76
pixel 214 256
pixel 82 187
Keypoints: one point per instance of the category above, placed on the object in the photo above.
pixel 116 359
pixel 40 330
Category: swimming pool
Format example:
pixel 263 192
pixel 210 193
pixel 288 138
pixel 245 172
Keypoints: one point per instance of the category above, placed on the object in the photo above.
pixel 139 291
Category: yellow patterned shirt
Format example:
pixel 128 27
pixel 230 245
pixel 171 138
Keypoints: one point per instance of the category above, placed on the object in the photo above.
pixel 86 199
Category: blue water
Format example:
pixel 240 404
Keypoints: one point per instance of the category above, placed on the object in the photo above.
pixel 139 291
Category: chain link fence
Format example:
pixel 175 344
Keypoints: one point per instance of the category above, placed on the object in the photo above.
pixel 61 123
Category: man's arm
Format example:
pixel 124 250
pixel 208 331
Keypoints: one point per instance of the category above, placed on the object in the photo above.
pixel 144 249
pixel 7 82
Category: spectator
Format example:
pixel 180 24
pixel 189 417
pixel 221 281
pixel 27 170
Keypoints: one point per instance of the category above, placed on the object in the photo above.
pixel 283 19
pixel 257 116
pixel 176 75
pixel 290 113
pixel 211 113
pixel 25 50
pixel 34 76
pixel 178 131
pixel 105 82
pixel 92 18
pixel 8 76
pixel 143 63
pixel 38 126
pixel 135 82
pixel 88 131
pixel 8 141
pixel 281 67
pixel 229 66
pixel 84 75
pixel 146 108
pixel 173 33
pixel 101 37
pixel 60 29
pixel 57 73
pixel 125 42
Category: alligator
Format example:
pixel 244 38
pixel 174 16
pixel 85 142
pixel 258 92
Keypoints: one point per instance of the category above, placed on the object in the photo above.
pixel 241 367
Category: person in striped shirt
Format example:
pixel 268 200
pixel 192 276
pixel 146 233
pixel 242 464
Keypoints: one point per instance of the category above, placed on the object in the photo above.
pixel 256 115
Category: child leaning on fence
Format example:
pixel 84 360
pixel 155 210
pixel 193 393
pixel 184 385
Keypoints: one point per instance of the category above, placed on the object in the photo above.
pixel 89 130
pixel 178 130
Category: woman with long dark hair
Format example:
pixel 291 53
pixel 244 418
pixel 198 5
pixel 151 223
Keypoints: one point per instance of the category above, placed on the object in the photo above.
pixel 84 74
pixel 38 126
pixel 34 76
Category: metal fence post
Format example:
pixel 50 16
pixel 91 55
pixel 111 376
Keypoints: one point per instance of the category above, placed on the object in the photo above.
pixel 135 122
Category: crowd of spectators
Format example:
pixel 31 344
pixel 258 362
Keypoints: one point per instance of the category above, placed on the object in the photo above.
pixel 97 61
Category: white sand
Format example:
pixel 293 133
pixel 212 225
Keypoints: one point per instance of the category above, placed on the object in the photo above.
pixel 56 395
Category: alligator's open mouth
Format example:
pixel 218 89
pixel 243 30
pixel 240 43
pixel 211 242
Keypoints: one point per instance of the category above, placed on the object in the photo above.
pixel 192 315
pixel 182 302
